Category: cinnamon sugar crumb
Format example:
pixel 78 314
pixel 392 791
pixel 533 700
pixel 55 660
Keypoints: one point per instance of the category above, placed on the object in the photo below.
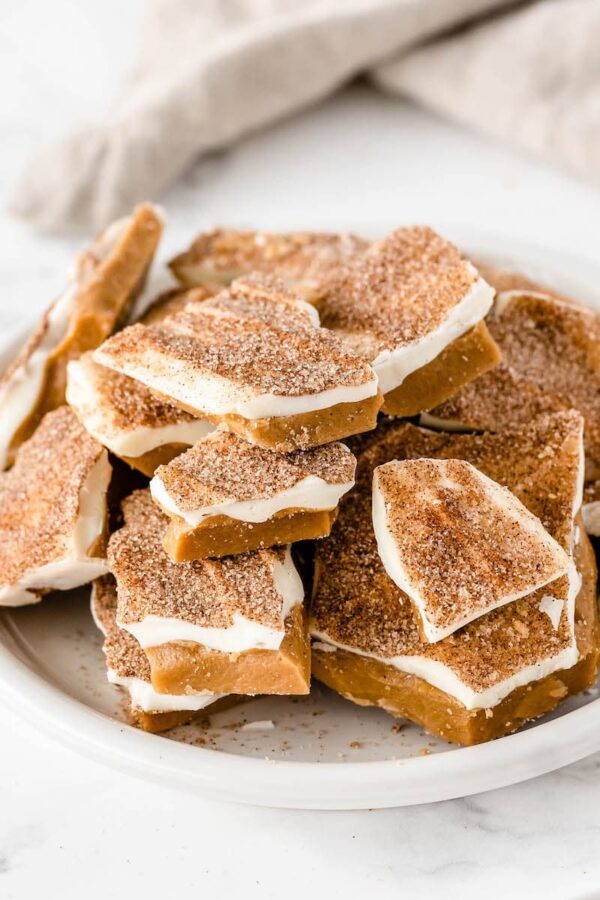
pixel 400 290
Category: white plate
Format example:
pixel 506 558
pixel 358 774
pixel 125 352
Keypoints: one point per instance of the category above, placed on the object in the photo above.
pixel 322 753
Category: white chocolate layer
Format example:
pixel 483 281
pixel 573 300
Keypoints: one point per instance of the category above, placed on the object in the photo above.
pixel 208 394
pixel 243 634
pixel 76 567
pixel 511 508
pixel 96 416
pixel 311 493
pixel 393 366
pixel 144 697
pixel 20 393
pixel 553 608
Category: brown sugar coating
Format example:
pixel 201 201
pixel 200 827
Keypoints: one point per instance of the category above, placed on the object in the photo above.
pixel 551 361
pixel 40 495
pixel 300 259
pixel 127 403
pixel 463 544
pixel 123 653
pixel 357 605
pixel 223 337
pixel 223 467
pixel 207 593
pixel 400 290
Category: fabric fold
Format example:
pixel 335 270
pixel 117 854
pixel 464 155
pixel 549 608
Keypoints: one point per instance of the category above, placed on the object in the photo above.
pixel 209 73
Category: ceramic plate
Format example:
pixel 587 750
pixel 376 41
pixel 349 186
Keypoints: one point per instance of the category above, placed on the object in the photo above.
pixel 318 752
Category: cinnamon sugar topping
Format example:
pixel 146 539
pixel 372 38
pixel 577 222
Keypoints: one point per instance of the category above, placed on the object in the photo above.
pixel 208 593
pixel 359 606
pixel 255 337
pixel 458 543
pixel 125 404
pixel 40 497
pixel 400 290
pixel 551 361
pixel 223 467
pixel 301 260
pixel 496 400
pixel 124 656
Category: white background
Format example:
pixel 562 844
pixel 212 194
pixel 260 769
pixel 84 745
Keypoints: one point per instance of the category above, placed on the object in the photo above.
pixel 72 828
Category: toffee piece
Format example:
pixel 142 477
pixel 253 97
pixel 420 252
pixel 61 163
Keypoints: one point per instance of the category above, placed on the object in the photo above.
pixel 229 626
pixel 100 291
pixel 414 307
pixel 302 260
pixel 506 667
pixel 227 496
pixel 127 418
pixel 456 543
pixel 254 360
pixel 53 511
pixel 551 360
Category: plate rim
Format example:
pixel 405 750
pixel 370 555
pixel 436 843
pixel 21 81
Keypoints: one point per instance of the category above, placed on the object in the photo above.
pixel 320 785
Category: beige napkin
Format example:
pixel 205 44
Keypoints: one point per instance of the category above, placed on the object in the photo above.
pixel 531 77
pixel 211 71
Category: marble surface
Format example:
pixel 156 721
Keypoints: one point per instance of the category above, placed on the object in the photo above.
pixel 355 161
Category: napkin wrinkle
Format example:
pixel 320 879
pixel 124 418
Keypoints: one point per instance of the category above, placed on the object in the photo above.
pixel 207 73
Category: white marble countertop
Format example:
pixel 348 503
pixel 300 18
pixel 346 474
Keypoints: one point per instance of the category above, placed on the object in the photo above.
pixel 358 160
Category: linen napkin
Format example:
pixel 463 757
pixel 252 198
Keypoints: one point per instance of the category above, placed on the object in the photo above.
pixel 210 71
